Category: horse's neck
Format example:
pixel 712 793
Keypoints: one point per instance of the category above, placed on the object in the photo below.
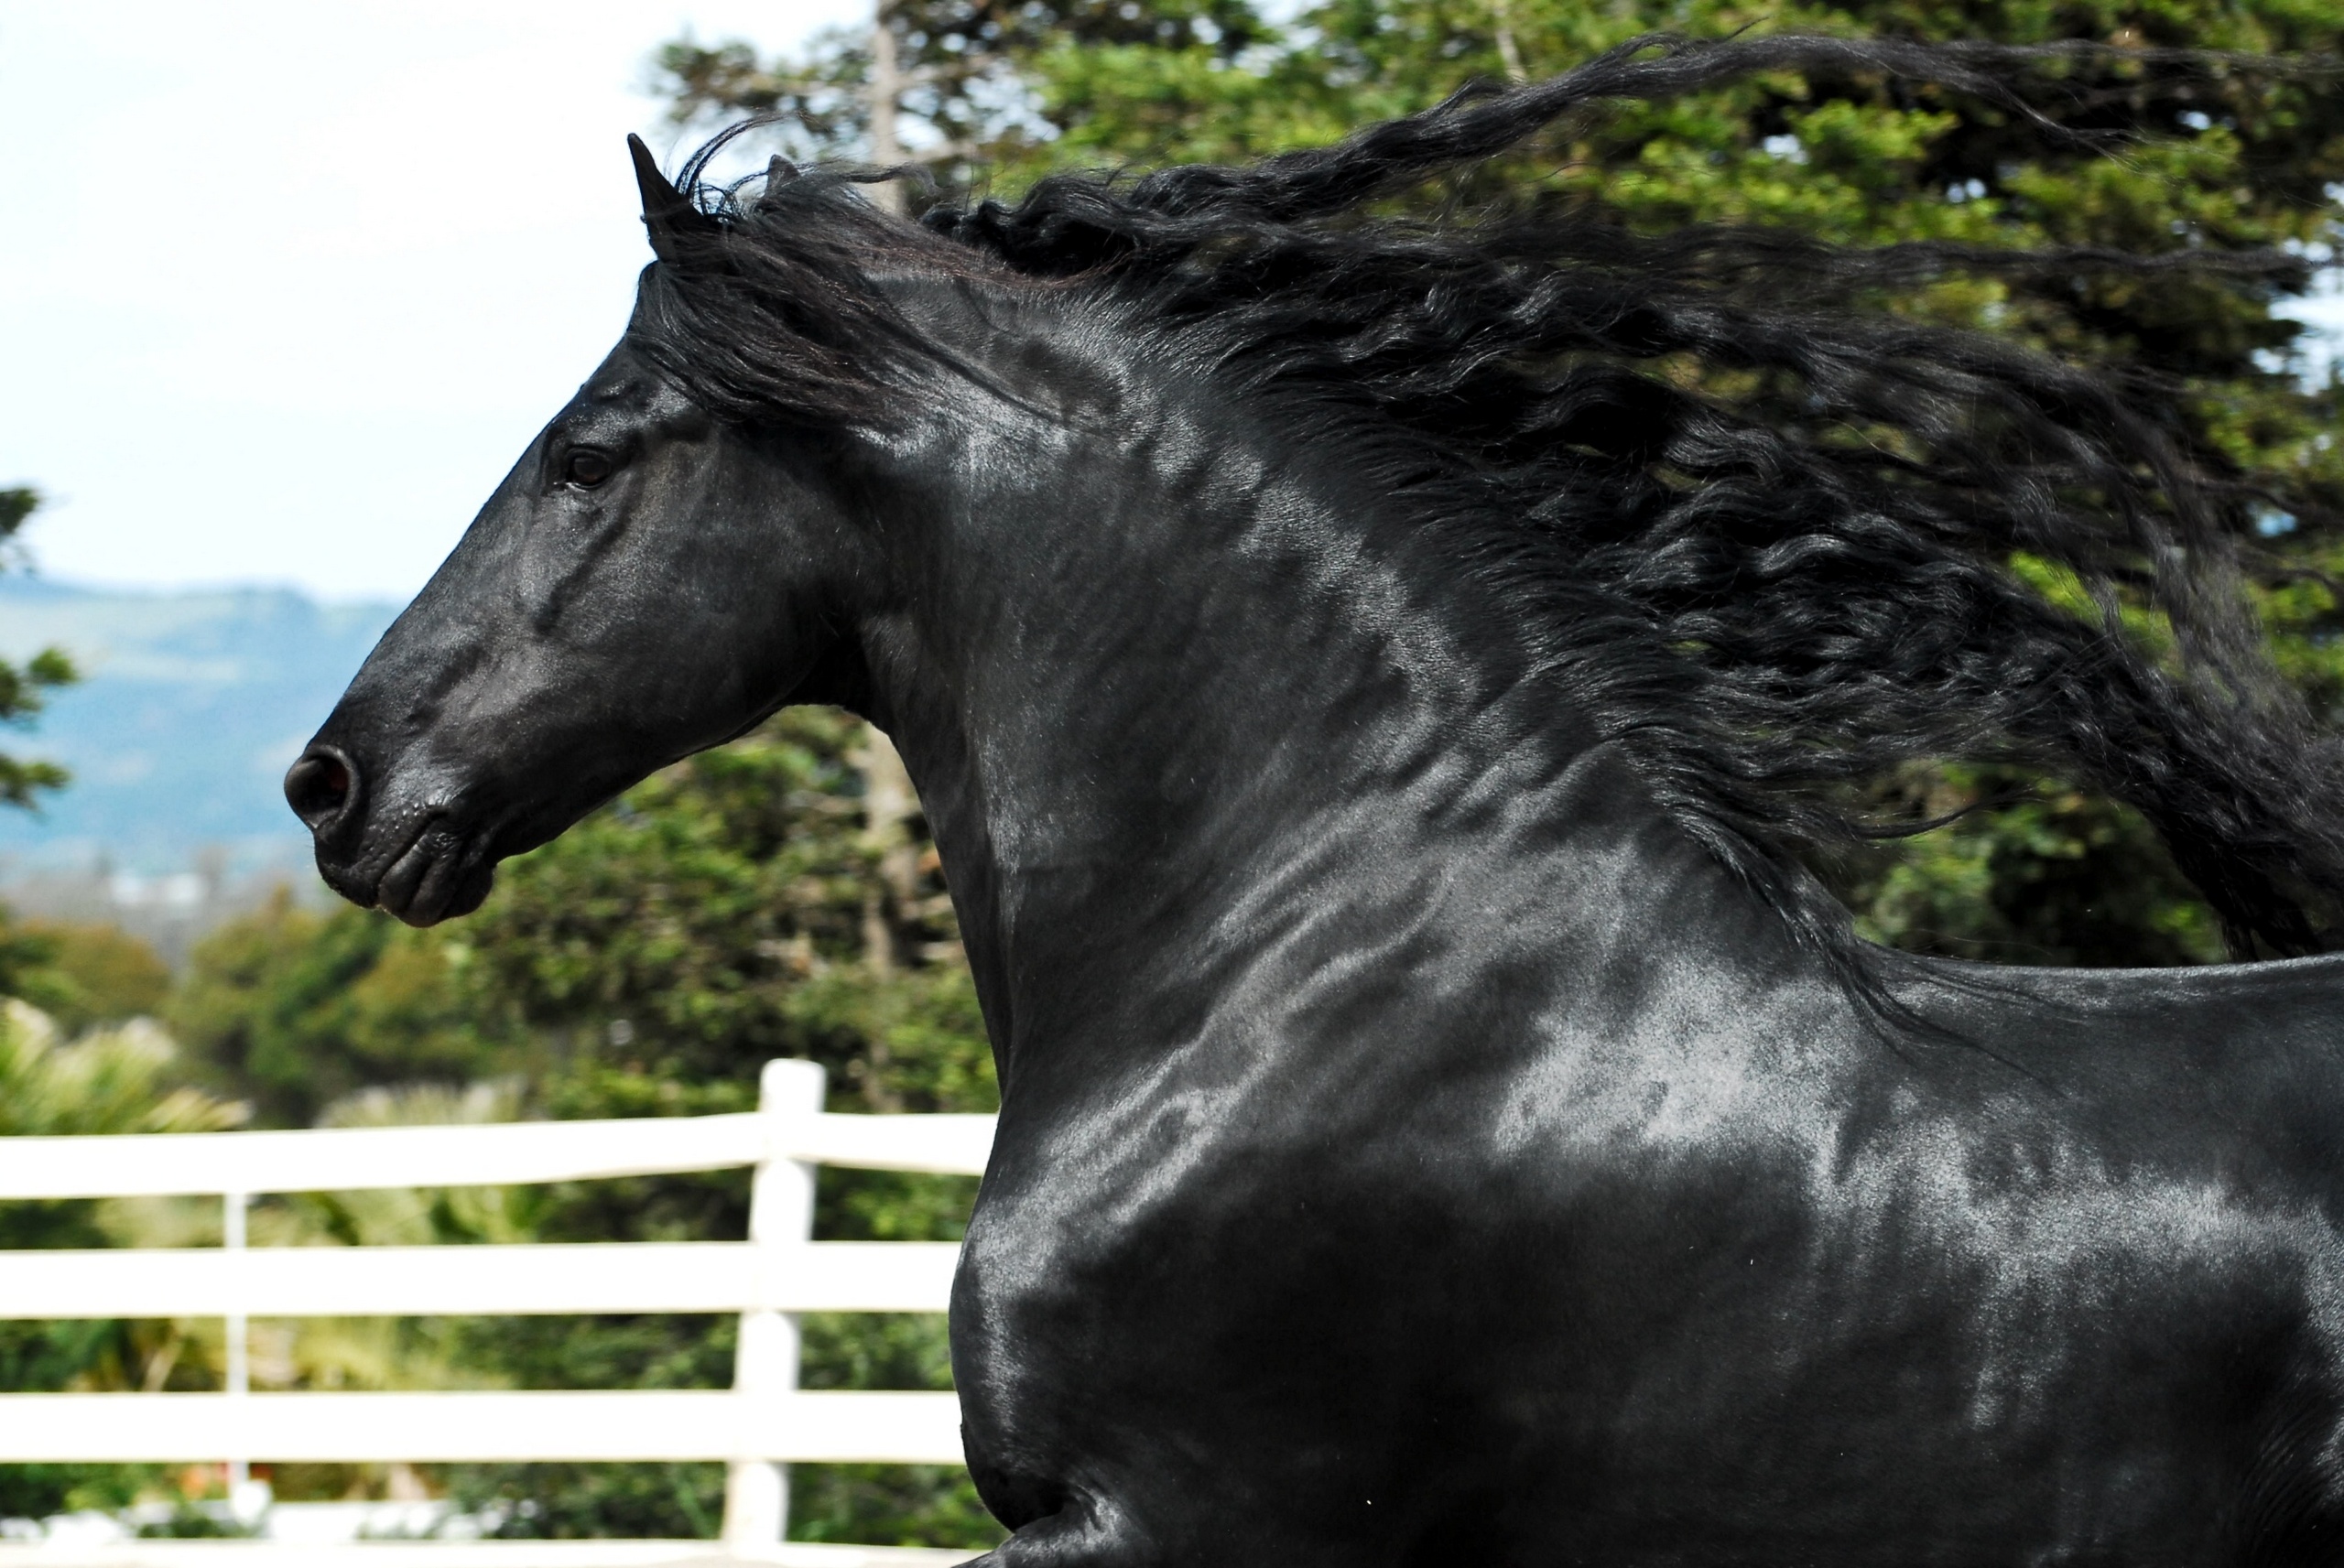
pixel 1179 713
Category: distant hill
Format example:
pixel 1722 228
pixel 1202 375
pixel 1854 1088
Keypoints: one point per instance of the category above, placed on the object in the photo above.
pixel 190 708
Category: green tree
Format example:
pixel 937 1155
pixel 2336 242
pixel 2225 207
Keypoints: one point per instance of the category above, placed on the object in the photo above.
pixel 25 959
pixel 23 686
pixel 290 1009
pixel 86 975
pixel 940 84
pixel 26 956
pixel 2028 871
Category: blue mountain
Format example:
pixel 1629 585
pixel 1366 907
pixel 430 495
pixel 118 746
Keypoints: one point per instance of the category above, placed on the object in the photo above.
pixel 190 707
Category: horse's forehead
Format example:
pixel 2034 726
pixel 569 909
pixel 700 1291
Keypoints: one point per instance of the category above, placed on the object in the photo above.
pixel 623 389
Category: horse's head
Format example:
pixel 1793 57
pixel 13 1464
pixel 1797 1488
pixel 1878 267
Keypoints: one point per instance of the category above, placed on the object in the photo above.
pixel 647 581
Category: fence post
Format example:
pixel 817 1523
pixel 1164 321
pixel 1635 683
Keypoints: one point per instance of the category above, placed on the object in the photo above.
pixel 781 1215
pixel 234 1207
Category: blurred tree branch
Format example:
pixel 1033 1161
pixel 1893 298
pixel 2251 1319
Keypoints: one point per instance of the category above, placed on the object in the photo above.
pixel 23 686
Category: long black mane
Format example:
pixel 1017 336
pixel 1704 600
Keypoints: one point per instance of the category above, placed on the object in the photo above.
pixel 1765 530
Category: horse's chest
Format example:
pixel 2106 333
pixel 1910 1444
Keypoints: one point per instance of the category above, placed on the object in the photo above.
pixel 1305 1309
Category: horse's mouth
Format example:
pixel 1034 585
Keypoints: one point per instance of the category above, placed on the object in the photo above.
pixel 438 874
pixel 439 878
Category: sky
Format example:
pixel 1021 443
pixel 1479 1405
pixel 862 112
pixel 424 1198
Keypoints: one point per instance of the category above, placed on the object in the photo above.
pixel 285 289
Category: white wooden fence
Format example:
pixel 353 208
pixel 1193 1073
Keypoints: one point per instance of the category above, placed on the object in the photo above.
pixel 759 1426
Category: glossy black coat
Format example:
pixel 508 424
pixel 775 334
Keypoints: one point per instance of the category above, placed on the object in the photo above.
pixel 1414 1149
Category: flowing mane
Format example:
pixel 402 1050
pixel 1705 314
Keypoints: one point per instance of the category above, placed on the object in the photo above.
pixel 1763 528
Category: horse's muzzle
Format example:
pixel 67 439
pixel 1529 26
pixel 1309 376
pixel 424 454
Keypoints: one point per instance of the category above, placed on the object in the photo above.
pixel 411 860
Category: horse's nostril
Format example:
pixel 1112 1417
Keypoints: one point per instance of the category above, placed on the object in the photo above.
pixel 320 786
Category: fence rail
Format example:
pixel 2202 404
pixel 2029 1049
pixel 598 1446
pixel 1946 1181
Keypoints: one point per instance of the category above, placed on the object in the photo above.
pixel 422 1282
pixel 489 1427
pixel 473 1554
pixel 760 1425
pixel 497 1154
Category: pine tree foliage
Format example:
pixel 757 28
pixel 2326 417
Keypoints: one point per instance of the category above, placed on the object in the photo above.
pixel 24 685
pixel 954 76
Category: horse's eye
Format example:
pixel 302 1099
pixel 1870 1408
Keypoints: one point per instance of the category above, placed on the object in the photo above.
pixel 587 468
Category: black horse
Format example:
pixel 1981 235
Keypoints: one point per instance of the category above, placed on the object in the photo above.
pixel 1371 719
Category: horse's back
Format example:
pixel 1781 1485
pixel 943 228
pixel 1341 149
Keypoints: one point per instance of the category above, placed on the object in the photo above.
pixel 2152 1162
pixel 2235 1072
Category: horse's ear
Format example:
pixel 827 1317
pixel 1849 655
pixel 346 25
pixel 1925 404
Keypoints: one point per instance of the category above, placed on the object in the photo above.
pixel 668 213
pixel 779 171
